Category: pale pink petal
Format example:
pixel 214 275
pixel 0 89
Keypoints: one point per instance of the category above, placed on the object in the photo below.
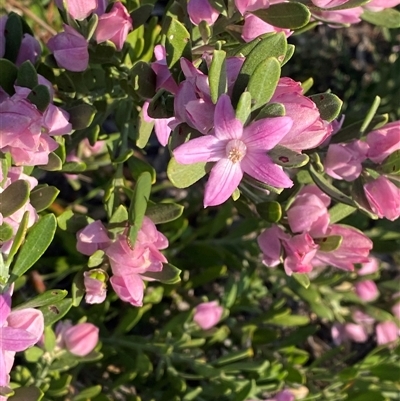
pixel 129 288
pixel 12 339
pixel 260 167
pixel 203 149
pixel 226 124
pixel 224 179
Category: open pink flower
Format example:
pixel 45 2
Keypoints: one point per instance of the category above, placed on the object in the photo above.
pixel 92 238
pixel 237 150
pixel 383 141
pixel 201 10
pixel 208 314
pixel 254 27
pixel 78 9
pixel 366 290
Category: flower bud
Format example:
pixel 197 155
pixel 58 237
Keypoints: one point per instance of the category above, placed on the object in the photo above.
pixel 383 142
pixel 81 339
pixel 386 332
pixel 372 266
pixel 95 285
pixel 367 290
pixel 208 314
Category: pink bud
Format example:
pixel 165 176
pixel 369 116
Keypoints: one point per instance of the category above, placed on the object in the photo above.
pixel 95 285
pixel 355 332
pixel 208 314
pixel 383 141
pixel 250 5
pixel 114 26
pixel 201 10
pixel 386 332
pixel 367 290
pixel 29 50
pixel 92 238
pixel 285 395
pixel 396 310
pixel 81 339
pixel 70 49
pixel 78 9
pixel 372 266
pixel 383 197
pixel 343 161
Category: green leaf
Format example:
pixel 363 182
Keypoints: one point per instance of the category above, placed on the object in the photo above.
pixel 6 232
pixel 339 212
pixel 42 197
pixel 88 393
pixel 217 75
pixel 141 14
pixel 263 81
pixel 30 393
pixel 288 158
pixel 143 79
pixel 19 237
pixel 325 186
pixel 271 211
pixel 13 33
pixel 71 222
pixel 289 320
pixel 33 354
pixel 291 15
pixel 96 259
pixel 371 114
pixel 329 105
pixel 169 274
pixel 38 240
pixel 164 212
pixel 391 165
pixel 137 209
pixel 243 109
pixel 159 106
pixel 289 54
pixel 81 115
pixel 389 17
pixel 271 110
pixel 330 243
pixel 378 314
pixel 271 46
pixel 177 45
pixel 73 167
pixel 302 279
pixel 184 175
pixel 54 163
pixel 138 166
pixel 40 97
pixel 14 197
pixel 44 299
pixel 145 129
pixel 102 53
pixel 9 73
pixel 55 311
pixel 27 76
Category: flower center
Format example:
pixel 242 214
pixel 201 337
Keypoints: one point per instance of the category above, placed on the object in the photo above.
pixel 235 150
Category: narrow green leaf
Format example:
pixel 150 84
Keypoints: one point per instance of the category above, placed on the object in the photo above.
pixel 38 240
pixel 88 393
pixel 14 197
pixel 289 320
pixel 217 75
pixel 289 53
pixel 302 279
pixel 340 211
pixel 329 105
pixel 263 81
pixel 145 128
pixel 164 212
pixel 169 274
pixel 291 15
pixel 6 232
pixel 389 17
pixel 73 167
pixel 288 158
pixel 19 237
pixel 42 197
pixel 371 114
pixel 44 299
pixel 184 175
pixel 243 109
pixel 330 243
pixel 55 311
pixel 271 110
pixel 391 165
pixel 345 6
pixel 137 209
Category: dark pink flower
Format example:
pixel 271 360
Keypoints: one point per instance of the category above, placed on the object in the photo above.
pixel 114 26
pixel 208 314
pixel 237 150
pixel 70 49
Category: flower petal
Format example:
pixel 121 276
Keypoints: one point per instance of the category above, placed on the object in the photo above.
pixel 260 167
pixel 203 149
pixel 16 339
pixel 224 179
pixel 226 124
pixel 265 134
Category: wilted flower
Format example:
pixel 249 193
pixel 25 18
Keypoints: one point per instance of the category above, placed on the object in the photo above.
pixel 208 314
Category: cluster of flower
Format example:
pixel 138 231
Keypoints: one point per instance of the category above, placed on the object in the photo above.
pixel 129 264
pixel 322 10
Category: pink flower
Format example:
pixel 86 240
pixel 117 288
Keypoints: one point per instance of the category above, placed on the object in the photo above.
pixel 329 3
pixel 379 5
pixel 161 127
pixel 343 161
pixel 270 244
pixel 250 5
pixel 309 212
pixel 208 314
pixel 383 198
pixel 29 50
pixel 95 286
pixel 129 265
pixel 369 267
pixel 19 330
pixel 383 141
pixel 348 331
pixel 396 310
pixel 80 339
pixel 92 238
pixel 386 332
pixel 78 9
pixel 114 26
pixel 285 395
pixel 349 16
pixel 164 78
pixel 201 10
pixel 70 49
pixel 366 290
pixel 237 150
pixel 308 130
pixel 254 27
